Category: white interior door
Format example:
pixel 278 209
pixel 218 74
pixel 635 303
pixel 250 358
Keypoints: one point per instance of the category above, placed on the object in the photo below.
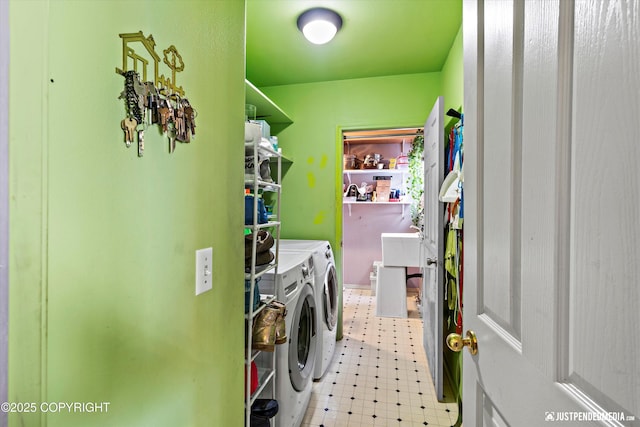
pixel 552 204
pixel 432 283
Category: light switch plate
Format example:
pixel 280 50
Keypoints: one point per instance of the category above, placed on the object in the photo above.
pixel 204 261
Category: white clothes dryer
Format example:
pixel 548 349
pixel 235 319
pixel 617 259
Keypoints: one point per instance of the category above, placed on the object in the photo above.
pixel 326 294
pixel 295 360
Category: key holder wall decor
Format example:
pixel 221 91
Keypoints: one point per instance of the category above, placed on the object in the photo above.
pixel 159 101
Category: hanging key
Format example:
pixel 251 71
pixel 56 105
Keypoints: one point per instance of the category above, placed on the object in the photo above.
pixel 142 109
pixel 166 116
pixel 190 120
pixel 172 143
pixel 153 108
pixel 123 125
pixel 140 142
pixel 129 126
pixel 180 124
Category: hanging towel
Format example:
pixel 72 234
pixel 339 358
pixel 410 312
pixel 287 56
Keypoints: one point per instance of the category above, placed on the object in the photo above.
pixel 450 253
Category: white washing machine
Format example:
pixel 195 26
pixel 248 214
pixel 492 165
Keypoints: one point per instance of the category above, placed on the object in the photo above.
pixel 295 360
pixel 326 294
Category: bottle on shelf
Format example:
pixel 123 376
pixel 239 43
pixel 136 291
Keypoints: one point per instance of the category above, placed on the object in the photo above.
pixel 402 162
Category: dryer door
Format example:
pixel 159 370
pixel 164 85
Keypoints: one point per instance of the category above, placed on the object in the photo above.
pixel 330 297
pixel 302 341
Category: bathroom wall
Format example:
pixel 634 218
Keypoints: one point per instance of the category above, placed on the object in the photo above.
pixel 363 223
pixel 102 243
pixel 312 188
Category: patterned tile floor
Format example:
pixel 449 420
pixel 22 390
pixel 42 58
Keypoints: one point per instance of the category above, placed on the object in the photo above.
pixel 379 374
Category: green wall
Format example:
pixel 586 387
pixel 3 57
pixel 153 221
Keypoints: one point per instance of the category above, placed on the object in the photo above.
pixel 312 188
pixel 102 243
pixel 453 76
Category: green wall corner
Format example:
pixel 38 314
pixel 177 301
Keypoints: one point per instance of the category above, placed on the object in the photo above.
pixel 453 76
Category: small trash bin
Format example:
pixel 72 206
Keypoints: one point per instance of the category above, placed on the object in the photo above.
pixel 373 276
pixel 374 282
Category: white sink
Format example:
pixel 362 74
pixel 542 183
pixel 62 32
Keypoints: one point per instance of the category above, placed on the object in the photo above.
pixel 401 250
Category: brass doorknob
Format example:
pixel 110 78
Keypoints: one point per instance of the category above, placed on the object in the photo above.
pixel 455 342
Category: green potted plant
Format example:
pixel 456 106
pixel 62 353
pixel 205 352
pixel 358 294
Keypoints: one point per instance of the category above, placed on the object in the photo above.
pixel 415 181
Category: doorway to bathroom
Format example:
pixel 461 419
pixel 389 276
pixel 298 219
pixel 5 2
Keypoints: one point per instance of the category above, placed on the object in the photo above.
pixel 376 198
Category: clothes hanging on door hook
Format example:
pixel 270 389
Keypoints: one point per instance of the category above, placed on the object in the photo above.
pixel 452 193
pixel 452 188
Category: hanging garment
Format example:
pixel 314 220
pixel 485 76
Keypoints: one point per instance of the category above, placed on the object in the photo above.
pixel 450 253
pixel 450 189
pixel 450 149
pixel 451 186
pixel 460 145
pixel 452 266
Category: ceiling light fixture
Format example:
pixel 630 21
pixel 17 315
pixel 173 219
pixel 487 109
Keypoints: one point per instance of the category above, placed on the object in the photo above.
pixel 319 25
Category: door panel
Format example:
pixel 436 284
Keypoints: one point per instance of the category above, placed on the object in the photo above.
pixel 433 280
pixel 552 197
pixel 605 183
pixel 491 416
pixel 545 209
pixel 502 190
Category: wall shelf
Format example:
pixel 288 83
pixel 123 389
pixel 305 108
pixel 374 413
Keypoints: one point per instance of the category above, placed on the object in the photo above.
pixel 381 136
pixel 375 203
pixel 379 172
pixel 375 172
pixel 350 203
pixel 266 108
pixel 265 376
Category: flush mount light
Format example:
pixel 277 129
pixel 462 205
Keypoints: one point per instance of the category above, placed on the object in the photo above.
pixel 319 25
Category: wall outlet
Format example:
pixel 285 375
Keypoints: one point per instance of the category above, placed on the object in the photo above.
pixel 204 264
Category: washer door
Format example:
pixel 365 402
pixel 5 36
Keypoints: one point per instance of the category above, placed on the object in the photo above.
pixel 302 342
pixel 330 297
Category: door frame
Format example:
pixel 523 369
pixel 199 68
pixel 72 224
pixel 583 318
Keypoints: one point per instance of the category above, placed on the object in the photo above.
pixel 433 223
pixel 4 204
pixel 339 224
